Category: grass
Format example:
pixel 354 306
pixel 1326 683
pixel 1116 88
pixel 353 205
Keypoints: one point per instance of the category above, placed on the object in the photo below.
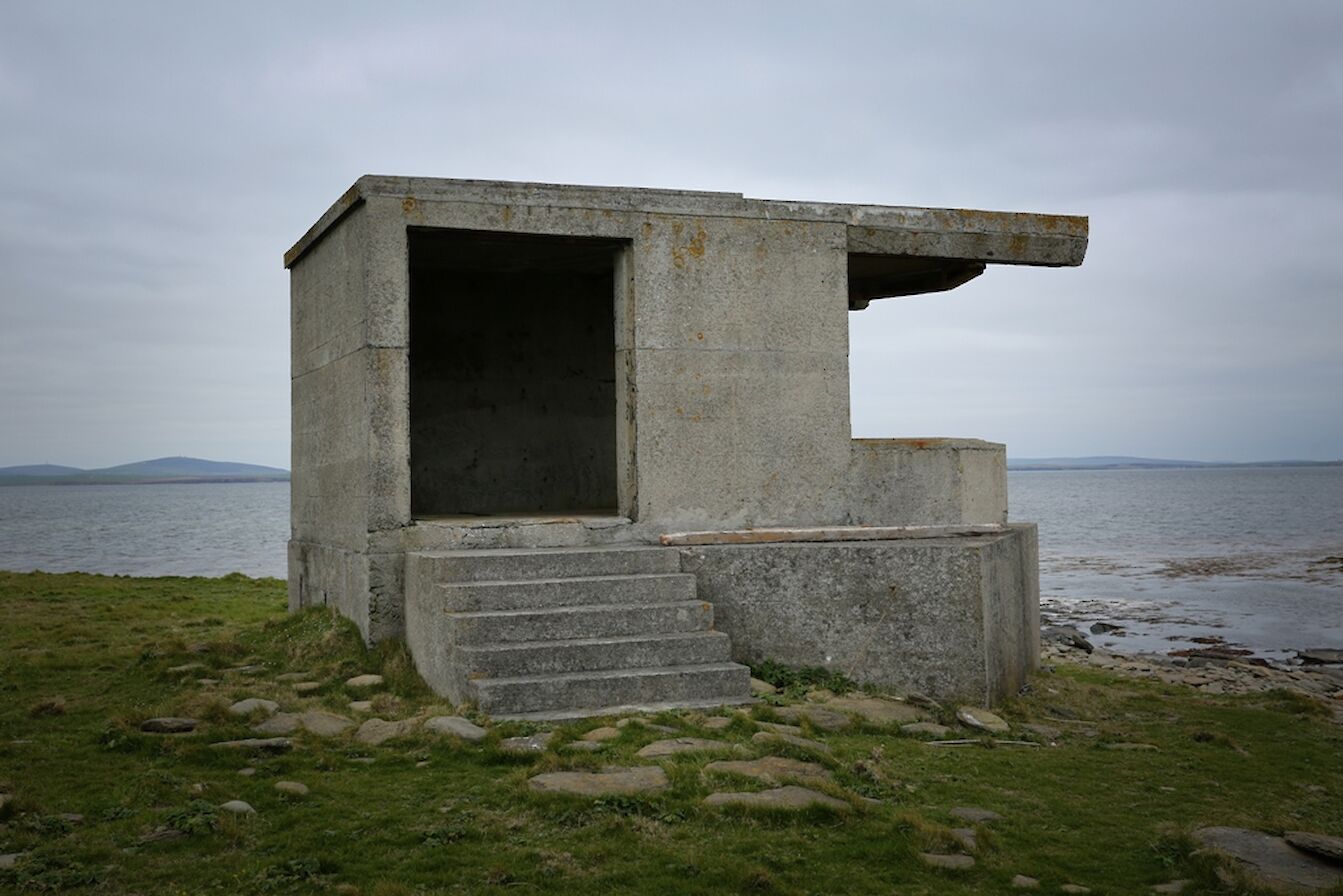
pixel 84 659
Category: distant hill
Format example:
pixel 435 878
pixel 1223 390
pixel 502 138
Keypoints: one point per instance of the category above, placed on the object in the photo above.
pixel 145 472
pixel 1109 462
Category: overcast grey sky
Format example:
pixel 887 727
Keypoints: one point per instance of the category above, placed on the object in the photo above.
pixel 156 160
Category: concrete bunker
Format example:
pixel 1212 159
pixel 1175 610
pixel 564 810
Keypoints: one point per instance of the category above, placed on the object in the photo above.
pixel 588 448
pixel 513 373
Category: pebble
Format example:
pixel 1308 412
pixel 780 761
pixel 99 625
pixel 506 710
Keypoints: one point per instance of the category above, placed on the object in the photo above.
pixel 949 862
pixel 638 779
pixel 974 717
pixel 377 731
pixel 523 746
pixel 272 744
pixel 238 807
pixel 772 769
pixel 168 725
pixel 364 681
pixel 291 788
pixel 762 688
pixel 975 814
pixel 251 705
pixel 771 737
pixel 1022 882
pixel 457 727
pixel 672 746
pixel 790 797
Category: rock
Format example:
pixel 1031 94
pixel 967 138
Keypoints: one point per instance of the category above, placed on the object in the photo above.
pixel 323 723
pixel 293 676
pixel 601 734
pixel 1101 628
pixel 672 746
pixel 1048 732
pixel 645 723
pixel 772 769
pixel 762 688
pixel 790 797
pixel 158 835
pixel 291 788
pixel 877 711
pixel 1075 889
pixel 1131 747
pixel 716 723
pixel 185 668
pixel 10 859
pixel 280 723
pixel 423 763
pixel 364 681
pixel 930 728
pixel 923 701
pixel 771 737
pixel 825 719
pixel 1022 882
pixel 168 725
pixel 361 705
pixel 1067 636
pixel 1268 861
pixel 638 779
pixel 238 807
pixel 247 772
pixel 250 669
pixel 523 746
pixel 377 731
pixel 1172 886
pixel 974 717
pixel 307 687
pixel 967 838
pixel 820 695
pixel 1320 656
pixel 457 727
pixel 948 862
pixel 253 704
pixel 975 814
pixel 256 744
pixel 1324 846
pixel 583 746
pixel 780 729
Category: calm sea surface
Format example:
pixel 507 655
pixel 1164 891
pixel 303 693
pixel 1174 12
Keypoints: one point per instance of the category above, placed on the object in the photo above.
pixel 1168 554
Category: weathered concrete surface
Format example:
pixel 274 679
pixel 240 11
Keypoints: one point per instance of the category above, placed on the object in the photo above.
pixel 952 617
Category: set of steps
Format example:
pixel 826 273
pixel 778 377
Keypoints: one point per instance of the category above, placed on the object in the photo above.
pixel 566 632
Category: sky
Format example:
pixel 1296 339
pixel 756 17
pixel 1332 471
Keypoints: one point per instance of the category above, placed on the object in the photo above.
pixel 157 159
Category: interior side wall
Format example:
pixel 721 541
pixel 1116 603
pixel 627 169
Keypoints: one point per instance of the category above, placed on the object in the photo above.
pixel 512 374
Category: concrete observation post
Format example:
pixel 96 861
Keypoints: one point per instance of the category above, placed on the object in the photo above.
pixel 588 448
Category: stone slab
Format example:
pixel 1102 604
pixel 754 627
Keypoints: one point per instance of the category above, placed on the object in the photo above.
pixel 672 746
pixel 637 779
pixel 791 797
pixel 378 731
pixel 772 769
pixel 457 727
pixel 1268 861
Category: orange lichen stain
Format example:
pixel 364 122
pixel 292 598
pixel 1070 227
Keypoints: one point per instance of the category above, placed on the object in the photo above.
pixel 694 418
pixel 677 227
pixel 647 229
pixel 706 390
pixel 506 213
pixel 408 204
pixel 699 337
pixel 680 412
pixel 696 247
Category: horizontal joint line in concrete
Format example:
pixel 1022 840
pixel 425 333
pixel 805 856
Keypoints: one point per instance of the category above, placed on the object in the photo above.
pixel 835 533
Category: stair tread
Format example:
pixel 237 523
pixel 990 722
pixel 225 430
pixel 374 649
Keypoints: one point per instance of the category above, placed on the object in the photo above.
pixel 570 610
pixel 610 673
pixel 594 642
pixel 631 576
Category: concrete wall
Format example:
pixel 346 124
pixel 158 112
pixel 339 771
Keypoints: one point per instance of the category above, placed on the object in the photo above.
pixel 943 616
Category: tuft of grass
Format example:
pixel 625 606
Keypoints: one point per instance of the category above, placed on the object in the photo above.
pixel 795 681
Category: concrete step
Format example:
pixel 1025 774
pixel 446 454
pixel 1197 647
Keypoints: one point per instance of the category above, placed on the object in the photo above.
pixel 595 654
pixel 509 564
pixel 570 623
pixel 592 692
pixel 539 594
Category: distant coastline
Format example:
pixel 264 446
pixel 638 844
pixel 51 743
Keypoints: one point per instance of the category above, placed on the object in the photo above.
pixel 1025 464
pixel 160 471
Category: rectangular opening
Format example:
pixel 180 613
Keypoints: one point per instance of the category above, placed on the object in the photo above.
pixel 513 373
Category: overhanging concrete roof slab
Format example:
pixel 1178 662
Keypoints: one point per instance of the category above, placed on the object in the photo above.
pixel 959 235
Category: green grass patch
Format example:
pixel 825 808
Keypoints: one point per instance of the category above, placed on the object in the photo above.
pixel 101 807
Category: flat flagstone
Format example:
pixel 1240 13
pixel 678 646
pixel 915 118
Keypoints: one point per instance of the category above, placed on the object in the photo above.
pixel 779 728
pixel 671 746
pixel 772 737
pixel 819 716
pixel 772 769
pixel 584 746
pixel 876 710
pixel 361 705
pixel 790 797
pixel 930 728
pixel 1268 861
pixel 716 723
pixel 270 744
pixel 1075 889
pixel 1024 882
pixel 307 687
pixel 611 780
pixel 280 723
pixel 762 688
pixel 975 814
pixel 457 727
pixel 974 717
pixel 168 725
pixel 601 734
pixel 291 788
pixel 523 746
pixel 950 862
pixel 377 731
pixel 364 681
pixel 186 667
pixel 1322 845
pixel 323 723
pixel 238 807
pixel 293 676
pixel 253 704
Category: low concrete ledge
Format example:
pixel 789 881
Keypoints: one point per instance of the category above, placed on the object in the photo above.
pixel 832 533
